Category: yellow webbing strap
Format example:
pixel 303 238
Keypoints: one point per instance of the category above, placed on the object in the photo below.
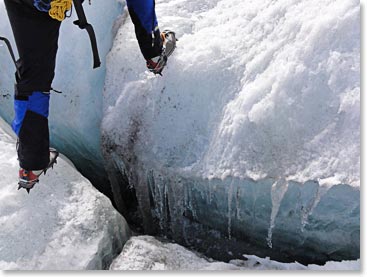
pixel 59 8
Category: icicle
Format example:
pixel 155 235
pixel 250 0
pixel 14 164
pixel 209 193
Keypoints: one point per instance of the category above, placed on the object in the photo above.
pixel 190 202
pixel 238 203
pixel 210 192
pixel 158 191
pixel 185 197
pixel 278 190
pixel 307 211
pixel 158 202
pixel 184 233
pixel 185 207
pixel 162 215
pixel 166 207
pixel 230 196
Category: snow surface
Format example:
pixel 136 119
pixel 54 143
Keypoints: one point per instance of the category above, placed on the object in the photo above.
pixel 255 89
pixel 148 253
pixel 63 224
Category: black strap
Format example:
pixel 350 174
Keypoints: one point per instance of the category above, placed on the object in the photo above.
pixel 7 42
pixel 83 24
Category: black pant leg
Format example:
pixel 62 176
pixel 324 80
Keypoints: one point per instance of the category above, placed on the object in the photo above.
pixel 36 36
pixel 150 46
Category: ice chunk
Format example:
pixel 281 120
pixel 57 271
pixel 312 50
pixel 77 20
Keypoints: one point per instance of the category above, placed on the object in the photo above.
pixel 63 224
pixel 148 253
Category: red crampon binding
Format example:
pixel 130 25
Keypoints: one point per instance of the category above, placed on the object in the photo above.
pixel 28 178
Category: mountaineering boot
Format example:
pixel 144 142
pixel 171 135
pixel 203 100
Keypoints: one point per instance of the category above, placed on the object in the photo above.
pixel 157 64
pixel 28 178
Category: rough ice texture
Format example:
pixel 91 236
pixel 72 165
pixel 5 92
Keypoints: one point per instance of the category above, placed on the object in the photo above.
pixel 63 224
pixel 255 90
pixel 76 114
pixel 148 253
pixel 305 222
pixel 256 116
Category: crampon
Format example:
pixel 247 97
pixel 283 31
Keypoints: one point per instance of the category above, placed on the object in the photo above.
pixel 157 64
pixel 28 178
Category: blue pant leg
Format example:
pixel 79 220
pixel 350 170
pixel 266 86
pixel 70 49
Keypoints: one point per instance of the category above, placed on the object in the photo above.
pixel 38 102
pixel 142 13
pixel 20 109
pixel 145 11
pixel 31 126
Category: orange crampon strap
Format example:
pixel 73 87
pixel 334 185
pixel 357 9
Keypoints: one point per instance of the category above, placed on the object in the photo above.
pixel 59 8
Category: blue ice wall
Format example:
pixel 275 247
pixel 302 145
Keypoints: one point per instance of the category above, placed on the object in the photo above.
pixel 310 223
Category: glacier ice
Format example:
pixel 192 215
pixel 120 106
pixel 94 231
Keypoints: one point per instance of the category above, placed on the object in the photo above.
pixel 251 139
pixel 148 253
pixel 63 224
pixel 257 93
pixel 278 97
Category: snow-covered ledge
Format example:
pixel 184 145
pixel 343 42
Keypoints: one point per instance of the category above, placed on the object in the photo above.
pixel 63 224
